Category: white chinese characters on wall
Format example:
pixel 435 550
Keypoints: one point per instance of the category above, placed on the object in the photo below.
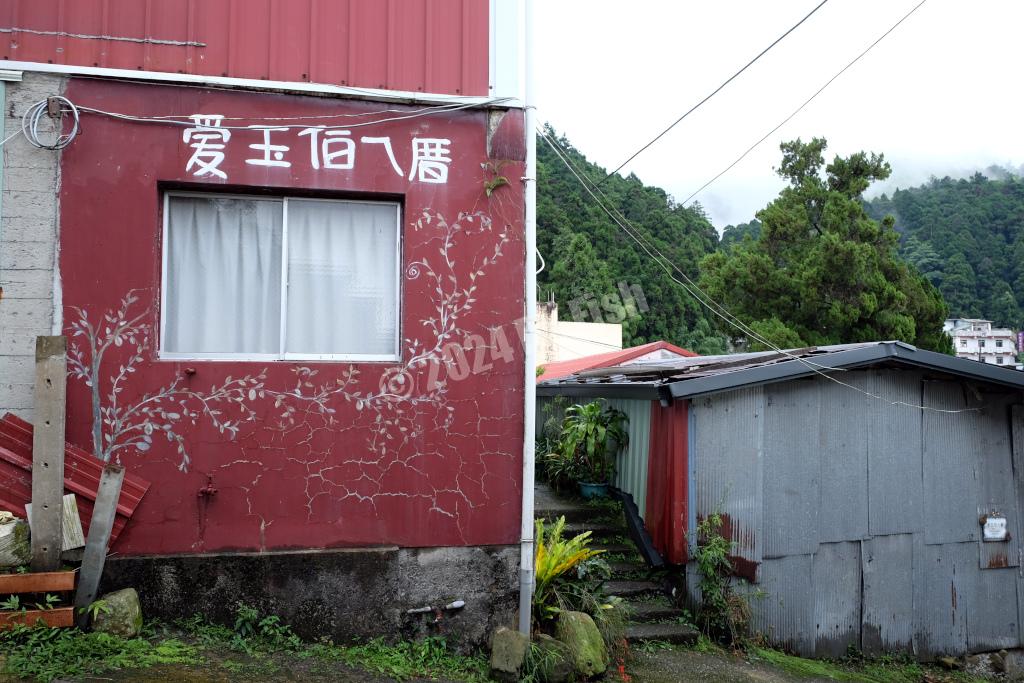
pixel 328 148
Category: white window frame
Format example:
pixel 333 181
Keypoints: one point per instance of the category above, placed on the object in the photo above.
pixel 282 355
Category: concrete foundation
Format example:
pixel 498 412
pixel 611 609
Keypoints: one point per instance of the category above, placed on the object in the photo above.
pixel 344 594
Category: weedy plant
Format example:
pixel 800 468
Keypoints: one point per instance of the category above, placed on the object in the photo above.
pixel 723 613
pixel 94 609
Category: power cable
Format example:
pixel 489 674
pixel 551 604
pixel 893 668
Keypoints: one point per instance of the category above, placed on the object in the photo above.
pixel 440 109
pixel 805 103
pixel 724 314
pixel 714 92
pixel 661 259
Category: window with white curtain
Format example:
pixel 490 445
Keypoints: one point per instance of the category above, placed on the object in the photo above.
pixel 284 278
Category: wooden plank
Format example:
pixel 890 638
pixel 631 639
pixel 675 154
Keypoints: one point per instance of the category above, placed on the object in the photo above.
pixel 42 582
pixel 57 617
pixel 48 452
pixel 103 514
pixel 71 526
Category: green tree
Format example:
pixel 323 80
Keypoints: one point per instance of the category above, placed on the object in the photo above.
pixel 966 236
pixel 822 271
pixel 588 256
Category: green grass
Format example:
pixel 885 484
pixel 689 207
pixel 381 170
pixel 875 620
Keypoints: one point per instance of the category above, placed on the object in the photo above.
pixel 429 658
pixel 258 637
pixel 255 646
pixel 44 654
pixel 886 669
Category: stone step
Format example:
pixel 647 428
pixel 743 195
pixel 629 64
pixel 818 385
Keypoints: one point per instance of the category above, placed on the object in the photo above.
pixel 624 568
pixel 572 514
pixel 628 589
pixel 671 633
pixel 597 530
pixel 627 549
pixel 652 611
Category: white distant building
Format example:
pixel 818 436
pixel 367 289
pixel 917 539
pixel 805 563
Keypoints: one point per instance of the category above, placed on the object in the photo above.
pixel 560 340
pixel 978 340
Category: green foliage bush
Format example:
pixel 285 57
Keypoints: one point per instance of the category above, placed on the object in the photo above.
pixel 589 439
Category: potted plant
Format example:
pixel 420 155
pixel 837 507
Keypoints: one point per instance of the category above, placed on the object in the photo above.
pixel 591 437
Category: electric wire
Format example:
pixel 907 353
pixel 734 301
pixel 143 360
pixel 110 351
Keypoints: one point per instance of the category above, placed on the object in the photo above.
pixel 714 92
pixel 691 288
pixel 429 111
pixel 814 367
pixel 34 114
pixel 805 103
pixel 581 339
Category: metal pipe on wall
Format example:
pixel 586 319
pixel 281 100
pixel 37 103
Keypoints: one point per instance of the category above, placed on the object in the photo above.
pixel 526 577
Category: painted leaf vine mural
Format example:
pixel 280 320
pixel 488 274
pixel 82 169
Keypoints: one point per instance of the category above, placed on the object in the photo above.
pixel 122 425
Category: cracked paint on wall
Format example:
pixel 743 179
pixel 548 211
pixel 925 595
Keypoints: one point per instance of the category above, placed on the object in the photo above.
pixel 315 454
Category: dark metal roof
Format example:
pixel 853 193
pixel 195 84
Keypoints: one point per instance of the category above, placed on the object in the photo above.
pixel 688 377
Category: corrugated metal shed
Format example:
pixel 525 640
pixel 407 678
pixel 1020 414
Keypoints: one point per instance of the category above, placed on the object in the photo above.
pixel 791 477
pixel 843 448
pixel 727 463
pixel 430 46
pixel 888 594
pixel 836 576
pixel 895 485
pixel 861 513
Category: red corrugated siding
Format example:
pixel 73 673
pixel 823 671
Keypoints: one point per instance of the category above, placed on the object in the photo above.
pixel 434 46
pixel 667 481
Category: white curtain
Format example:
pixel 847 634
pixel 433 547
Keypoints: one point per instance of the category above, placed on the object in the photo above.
pixel 342 278
pixel 224 275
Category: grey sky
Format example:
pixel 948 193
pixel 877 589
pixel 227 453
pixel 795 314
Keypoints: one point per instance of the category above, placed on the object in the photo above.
pixel 942 94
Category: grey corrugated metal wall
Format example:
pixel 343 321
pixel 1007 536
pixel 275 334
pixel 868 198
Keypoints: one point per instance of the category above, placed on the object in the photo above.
pixel 631 466
pixel 863 517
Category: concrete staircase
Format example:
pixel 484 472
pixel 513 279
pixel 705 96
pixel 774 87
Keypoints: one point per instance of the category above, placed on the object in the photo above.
pixel 645 592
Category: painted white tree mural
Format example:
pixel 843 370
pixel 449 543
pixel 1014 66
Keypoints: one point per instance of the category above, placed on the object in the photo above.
pixel 122 425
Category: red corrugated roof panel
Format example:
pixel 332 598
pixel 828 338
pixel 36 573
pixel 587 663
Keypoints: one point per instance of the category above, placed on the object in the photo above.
pixel 610 359
pixel 81 476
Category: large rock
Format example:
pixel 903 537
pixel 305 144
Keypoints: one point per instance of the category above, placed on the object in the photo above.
pixel 508 653
pixel 579 632
pixel 553 659
pixel 123 616
pixel 15 548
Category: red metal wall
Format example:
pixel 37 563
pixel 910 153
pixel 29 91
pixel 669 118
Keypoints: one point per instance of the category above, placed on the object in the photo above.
pixel 444 471
pixel 433 46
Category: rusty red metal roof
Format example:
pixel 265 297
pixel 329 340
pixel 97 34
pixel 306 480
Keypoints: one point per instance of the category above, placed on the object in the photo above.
pixel 81 476
pixel 609 359
pixel 430 46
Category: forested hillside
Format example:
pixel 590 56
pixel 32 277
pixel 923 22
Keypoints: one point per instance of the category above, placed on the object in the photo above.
pixel 587 255
pixel 967 237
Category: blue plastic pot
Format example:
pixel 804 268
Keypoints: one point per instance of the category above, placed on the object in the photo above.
pixel 589 491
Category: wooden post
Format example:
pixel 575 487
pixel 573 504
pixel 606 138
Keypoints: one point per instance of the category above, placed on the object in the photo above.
pixel 103 514
pixel 48 453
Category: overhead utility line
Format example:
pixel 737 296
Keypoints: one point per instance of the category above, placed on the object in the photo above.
pixel 715 91
pixel 703 298
pixel 805 103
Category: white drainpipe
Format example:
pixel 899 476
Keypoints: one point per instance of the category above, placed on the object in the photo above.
pixel 526 577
